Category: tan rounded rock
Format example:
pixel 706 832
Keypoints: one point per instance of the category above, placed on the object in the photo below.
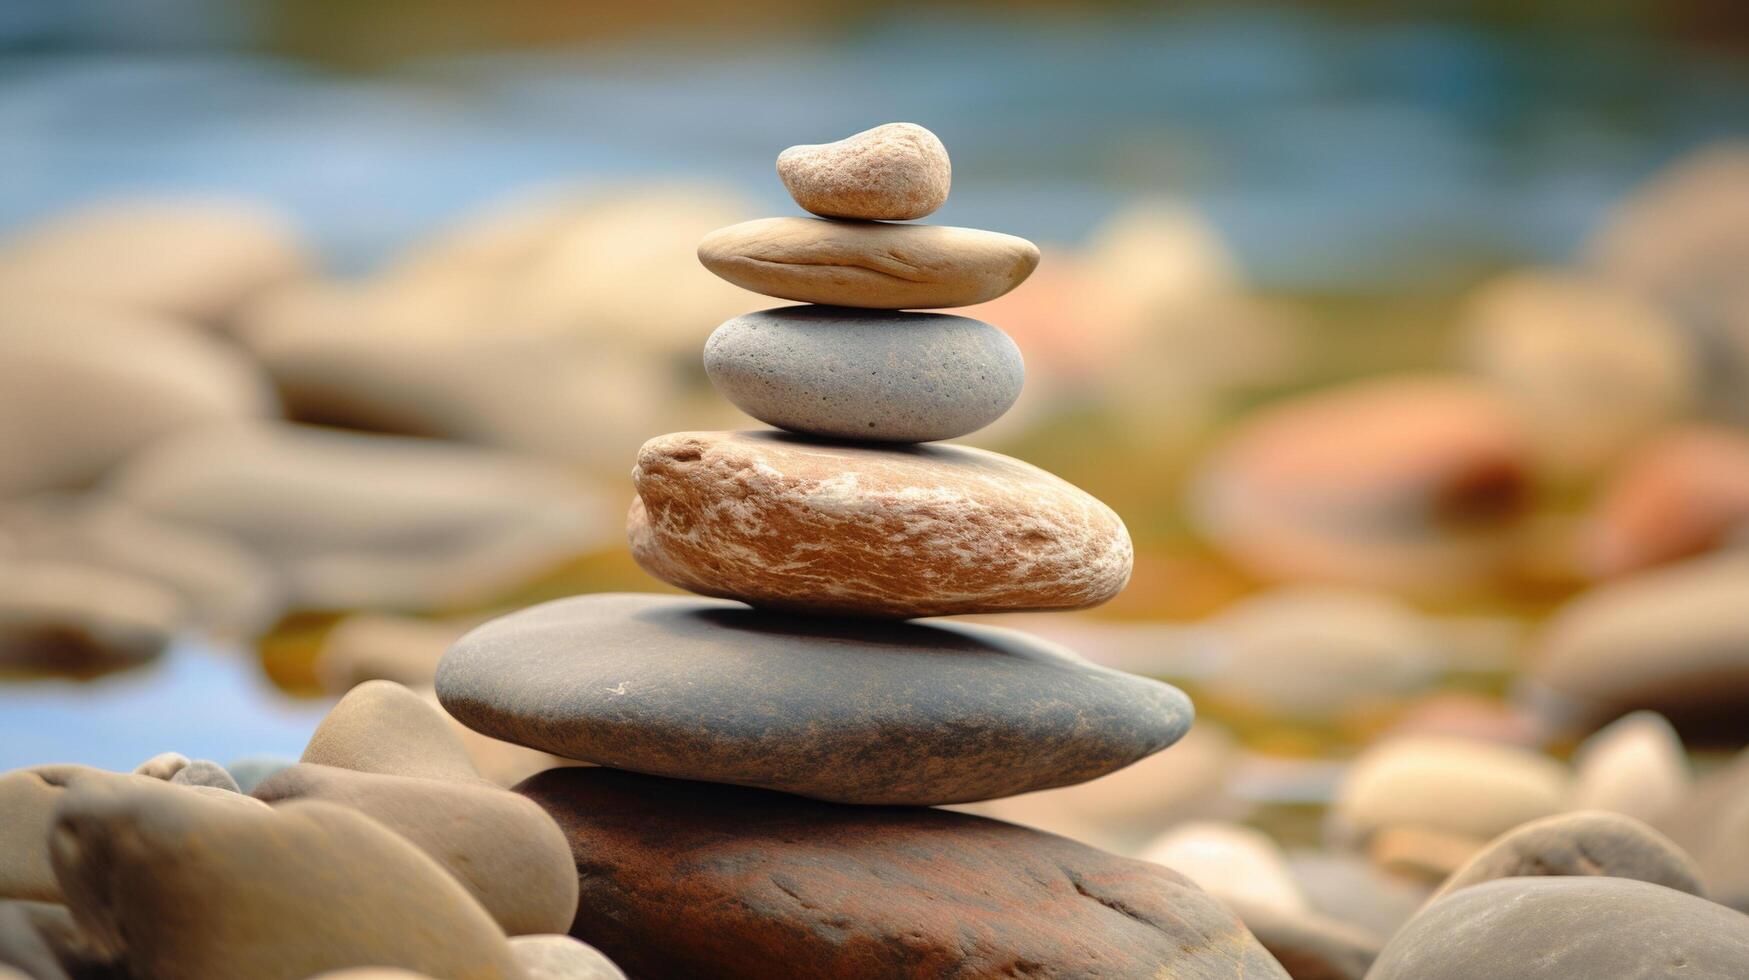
pixel 1319 652
pixel 894 172
pixel 382 646
pixel 227 588
pixel 71 618
pixel 28 798
pixel 381 727
pixel 199 259
pixel 1673 640
pixel 1416 851
pixel 189 886
pixel 789 524
pixel 1583 842
pixel 164 765
pixel 1678 495
pixel 1712 823
pixel 500 762
pixel 354 520
pixel 27 805
pixel 81 390
pixel 1592 367
pixel 562 958
pixel 1232 862
pixel 1450 785
pixel 1636 766
pixel 868 264
pixel 503 849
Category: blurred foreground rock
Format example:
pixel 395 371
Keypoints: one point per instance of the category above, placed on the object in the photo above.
pixel 198 259
pixel 1412 484
pixel 80 390
pixel 361 521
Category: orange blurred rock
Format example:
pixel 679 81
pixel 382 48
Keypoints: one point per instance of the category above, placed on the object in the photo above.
pixel 1679 495
pixel 1410 483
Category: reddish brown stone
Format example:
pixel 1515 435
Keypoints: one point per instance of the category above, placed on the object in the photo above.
pixel 1680 495
pixel 683 879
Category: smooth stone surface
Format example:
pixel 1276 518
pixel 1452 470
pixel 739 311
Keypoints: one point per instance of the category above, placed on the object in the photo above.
pixel 39 941
pixel 81 620
pixel 354 520
pixel 838 891
pixel 868 264
pixel 198 258
pixel 1350 888
pixel 1416 851
pixel 1674 640
pixel 1122 811
pixel 499 762
pixel 28 798
pixel 382 646
pixel 82 390
pixel 381 727
pixel 205 772
pixel 1564 928
pixel 137 859
pixel 505 850
pixel 1408 483
pixel 1635 765
pixel 1592 368
pixel 1457 786
pixel 1318 653
pixel 1679 239
pixel 1680 494
pixel 229 591
pixel 1584 842
pixel 562 958
pixel 1234 863
pixel 894 172
pixel 888 377
pixel 1310 946
pixel 786 523
pixel 27 805
pixel 1712 823
pixel 854 712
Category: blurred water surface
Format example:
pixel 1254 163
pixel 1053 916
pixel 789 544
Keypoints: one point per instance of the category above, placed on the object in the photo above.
pixel 1332 153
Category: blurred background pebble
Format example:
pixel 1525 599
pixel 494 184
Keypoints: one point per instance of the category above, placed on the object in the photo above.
pixel 1413 349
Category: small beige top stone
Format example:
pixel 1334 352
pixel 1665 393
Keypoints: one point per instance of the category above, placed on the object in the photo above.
pixel 894 172
pixel 868 264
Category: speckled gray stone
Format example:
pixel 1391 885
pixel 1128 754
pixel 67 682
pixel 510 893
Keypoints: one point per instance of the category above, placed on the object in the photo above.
pixel 1567 928
pixel 1584 842
pixel 854 712
pixel 860 374
pixel 204 772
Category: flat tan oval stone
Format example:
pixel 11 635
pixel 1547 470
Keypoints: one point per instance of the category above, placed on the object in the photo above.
pixel 867 264
pixel 183 885
pixel 889 173
pixel 785 523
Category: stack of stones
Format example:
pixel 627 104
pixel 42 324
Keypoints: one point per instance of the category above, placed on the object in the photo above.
pixel 811 672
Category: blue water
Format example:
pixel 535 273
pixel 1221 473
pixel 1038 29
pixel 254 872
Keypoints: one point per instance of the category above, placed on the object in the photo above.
pixel 1332 154
pixel 204 703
